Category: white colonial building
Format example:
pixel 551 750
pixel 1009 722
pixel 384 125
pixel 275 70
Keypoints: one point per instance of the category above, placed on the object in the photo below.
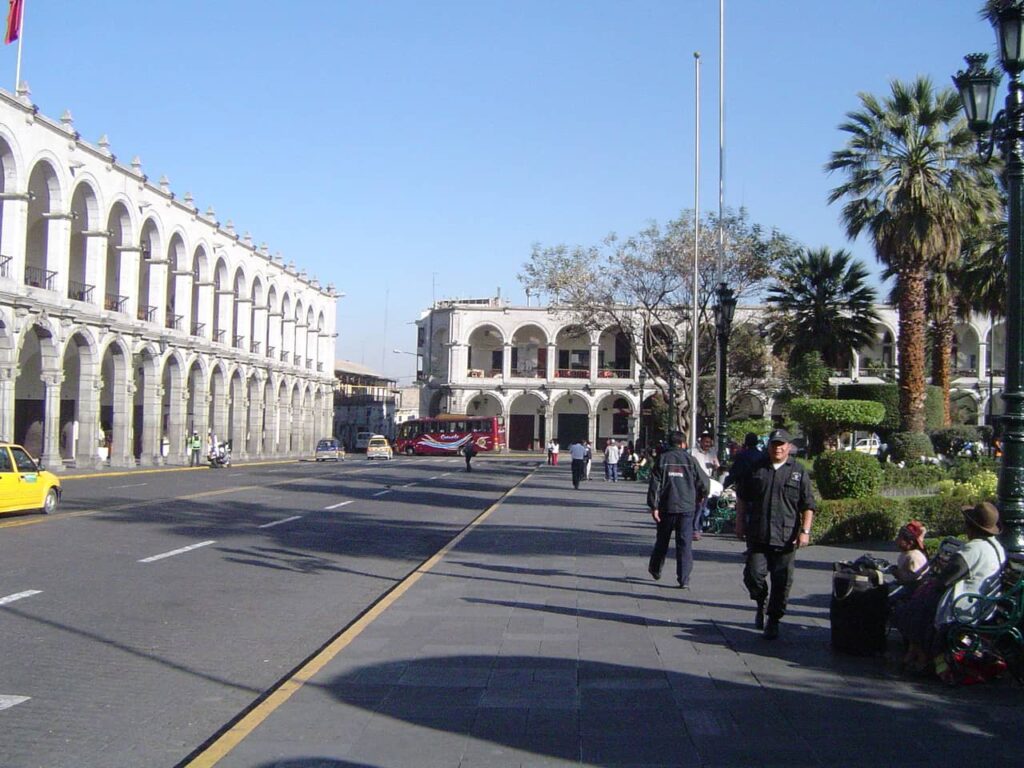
pixel 129 318
pixel 549 377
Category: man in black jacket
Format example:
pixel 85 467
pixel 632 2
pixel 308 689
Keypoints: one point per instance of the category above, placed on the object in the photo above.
pixel 774 510
pixel 675 491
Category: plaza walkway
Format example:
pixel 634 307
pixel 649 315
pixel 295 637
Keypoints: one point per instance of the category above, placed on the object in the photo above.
pixel 540 640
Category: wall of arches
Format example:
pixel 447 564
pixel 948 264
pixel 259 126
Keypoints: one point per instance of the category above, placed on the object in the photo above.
pixel 128 318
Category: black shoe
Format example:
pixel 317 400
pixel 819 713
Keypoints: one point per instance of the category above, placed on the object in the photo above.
pixel 654 573
pixel 759 617
pixel 683 586
pixel 771 630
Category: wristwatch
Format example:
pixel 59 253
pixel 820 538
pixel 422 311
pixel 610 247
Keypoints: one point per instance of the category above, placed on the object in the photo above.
pixel 805 531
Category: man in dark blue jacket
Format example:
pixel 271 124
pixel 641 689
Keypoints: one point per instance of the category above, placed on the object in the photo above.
pixel 675 491
pixel 774 510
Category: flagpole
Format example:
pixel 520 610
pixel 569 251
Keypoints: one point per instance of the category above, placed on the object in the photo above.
pixel 694 319
pixel 21 29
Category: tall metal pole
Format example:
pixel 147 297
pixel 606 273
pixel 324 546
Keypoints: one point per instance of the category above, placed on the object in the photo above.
pixel 1011 475
pixel 721 395
pixel 694 319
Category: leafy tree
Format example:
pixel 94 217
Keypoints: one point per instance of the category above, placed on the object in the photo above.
pixel 821 302
pixel 822 420
pixel 643 285
pixel 914 184
pixel 808 376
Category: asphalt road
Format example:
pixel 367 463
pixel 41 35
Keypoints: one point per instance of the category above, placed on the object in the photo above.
pixel 154 607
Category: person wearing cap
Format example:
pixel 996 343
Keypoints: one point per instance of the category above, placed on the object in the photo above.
pixel 774 511
pixel 912 564
pixel 675 491
pixel 744 460
pixel 974 569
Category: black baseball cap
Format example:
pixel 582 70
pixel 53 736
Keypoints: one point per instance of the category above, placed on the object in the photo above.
pixel 779 436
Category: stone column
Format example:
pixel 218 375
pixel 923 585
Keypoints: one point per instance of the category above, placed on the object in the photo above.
pixel 7 374
pixel 506 361
pixel 58 251
pixel 594 349
pixel 256 412
pixel 855 366
pixel 552 362
pixel 983 360
pixel 152 433
pixel 270 424
pixel 121 429
pixel 51 424
pixel 177 429
pixel 88 420
pixel 13 242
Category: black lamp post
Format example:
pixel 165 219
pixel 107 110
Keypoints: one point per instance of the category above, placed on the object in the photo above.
pixel 724 311
pixel 670 417
pixel 978 87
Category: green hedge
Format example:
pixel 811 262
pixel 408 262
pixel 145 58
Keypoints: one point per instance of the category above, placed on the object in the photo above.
pixel 875 518
pixel 909 446
pixel 889 396
pixel 847 475
pixel 915 476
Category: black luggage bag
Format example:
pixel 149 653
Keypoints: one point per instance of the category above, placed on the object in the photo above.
pixel 859 608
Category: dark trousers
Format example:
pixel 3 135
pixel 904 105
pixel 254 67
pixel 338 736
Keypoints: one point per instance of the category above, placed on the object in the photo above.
pixel 776 563
pixel 468 459
pixel 579 468
pixel 682 526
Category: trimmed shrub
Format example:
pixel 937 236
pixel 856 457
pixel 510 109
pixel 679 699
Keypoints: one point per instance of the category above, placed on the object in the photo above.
pixel 917 476
pixel 909 446
pixel 875 518
pixel 847 475
pixel 951 440
pixel 940 514
pixel 821 419
pixel 738 429
pixel 889 396
pixel 963 469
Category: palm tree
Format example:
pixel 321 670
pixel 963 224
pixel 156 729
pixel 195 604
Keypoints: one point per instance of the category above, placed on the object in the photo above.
pixel 913 183
pixel 821 302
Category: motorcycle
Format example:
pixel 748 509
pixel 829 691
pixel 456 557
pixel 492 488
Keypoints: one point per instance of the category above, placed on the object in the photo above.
pixel 220 456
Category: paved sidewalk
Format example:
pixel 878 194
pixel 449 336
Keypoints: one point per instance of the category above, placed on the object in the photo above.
pixel 540 640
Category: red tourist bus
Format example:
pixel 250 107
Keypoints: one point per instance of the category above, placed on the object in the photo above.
pixel 449 434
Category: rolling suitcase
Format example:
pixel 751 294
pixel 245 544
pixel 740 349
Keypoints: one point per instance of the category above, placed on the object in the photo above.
pixel 859 609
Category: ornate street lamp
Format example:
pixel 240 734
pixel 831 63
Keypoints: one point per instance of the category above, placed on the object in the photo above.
pixel 724 311
pixel 642 382
pixel 977 86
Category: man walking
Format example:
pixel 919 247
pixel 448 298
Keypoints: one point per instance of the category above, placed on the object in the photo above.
pixel 706 459
pixel 675 490
pixel 469 451
pixel 578 454
pixel 774 510
pixel 612 454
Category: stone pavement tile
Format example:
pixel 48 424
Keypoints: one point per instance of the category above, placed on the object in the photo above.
pixel 614 737
pixel 402 745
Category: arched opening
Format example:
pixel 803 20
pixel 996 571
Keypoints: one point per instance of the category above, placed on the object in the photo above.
pixel 45 191
pixel 293 425
pixel 113 404
pixel 150 245
pixel 171 424
pixel 119 227
pixel 237 420
pixel 221 318
pixel 199 278
pixel 75 392
pixel 571 415
pixel 614 355
pixel 486 352
pixel 526 423
pixel 34 358
pixel 216 417
pixel 484 405
pixel 614 420
pixel 84 208
pixel 238 297
pixel 530 352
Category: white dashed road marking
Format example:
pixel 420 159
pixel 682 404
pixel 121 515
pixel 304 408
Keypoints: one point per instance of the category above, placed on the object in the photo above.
pixel 381 493
pixel 130 485
pixel 279 522
pixel 174 552
pixel 6 702
pixel 19 595
pixel 339 504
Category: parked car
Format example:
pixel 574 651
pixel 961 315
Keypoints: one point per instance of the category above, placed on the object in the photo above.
pixel 329 449
pixel 870 445
pixel 24 484
pixel 378 448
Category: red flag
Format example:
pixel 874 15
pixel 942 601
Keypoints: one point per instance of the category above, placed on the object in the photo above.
pixel 13 21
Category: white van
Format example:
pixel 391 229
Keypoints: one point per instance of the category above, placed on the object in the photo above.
pixel 362 441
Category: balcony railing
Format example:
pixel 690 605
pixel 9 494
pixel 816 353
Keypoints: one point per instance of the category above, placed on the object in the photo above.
pixel 613 373
pixel 114 302
pixel 238 342
pixel 271 351
pixel 79 291
pixel 39 277
pixel 530 372
pixel 5 266
pixel 197 329
pixel 218 336
pixel 320 367
pixel 146 313
pixel 284 357
pixel 298 361
pixel 309 365
pixel 572 373
pixel 173 321
pixel 255 347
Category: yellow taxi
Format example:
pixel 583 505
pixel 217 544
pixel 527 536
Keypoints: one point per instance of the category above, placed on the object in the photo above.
pixel 23 484
pixel 378 448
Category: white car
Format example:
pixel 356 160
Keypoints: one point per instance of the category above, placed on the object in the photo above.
pixel 870 445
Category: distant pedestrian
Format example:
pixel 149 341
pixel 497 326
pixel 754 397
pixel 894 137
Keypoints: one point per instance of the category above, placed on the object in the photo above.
pixel 676 488
pixel 745 459
pixel 469 451
pixel 578 454
pixel 195 445
pixel 774 510
pixel 612 454
pixel 551 452
pixel 706 459
pixel 554 452
pixel 589 459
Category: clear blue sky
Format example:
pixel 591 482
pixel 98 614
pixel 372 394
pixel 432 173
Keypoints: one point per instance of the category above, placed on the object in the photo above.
pixel 402 147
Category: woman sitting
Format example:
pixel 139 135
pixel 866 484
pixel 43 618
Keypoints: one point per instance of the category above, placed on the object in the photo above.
pixel 912 565
pixel 975 568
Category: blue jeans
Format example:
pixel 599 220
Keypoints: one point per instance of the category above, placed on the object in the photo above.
pixel 613 472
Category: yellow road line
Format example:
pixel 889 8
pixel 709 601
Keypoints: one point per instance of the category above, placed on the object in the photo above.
pixel 248 722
